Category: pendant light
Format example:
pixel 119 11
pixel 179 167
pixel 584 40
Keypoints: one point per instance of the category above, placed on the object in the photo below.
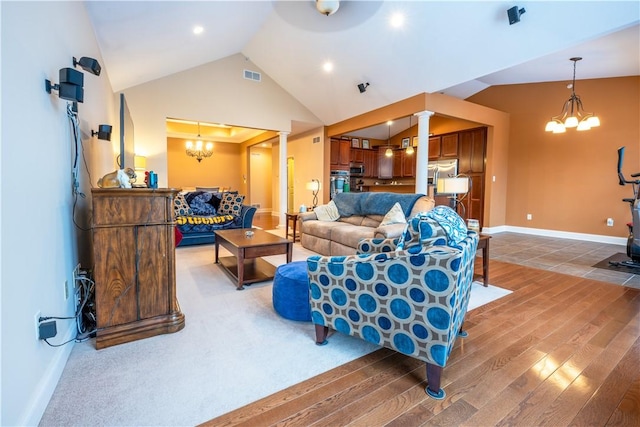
pixel 409 150
pixel 389 152
pixel 572 114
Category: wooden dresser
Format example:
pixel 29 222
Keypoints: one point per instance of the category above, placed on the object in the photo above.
pixel 134 264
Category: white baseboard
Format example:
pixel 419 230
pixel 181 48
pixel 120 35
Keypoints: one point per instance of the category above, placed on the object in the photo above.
pixel 555 233
pixel 49 380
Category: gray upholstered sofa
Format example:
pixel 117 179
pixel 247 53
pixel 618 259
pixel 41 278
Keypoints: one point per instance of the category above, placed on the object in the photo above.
pixel 360 218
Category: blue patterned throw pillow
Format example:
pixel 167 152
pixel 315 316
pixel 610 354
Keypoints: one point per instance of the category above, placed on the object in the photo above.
pixel 181 207
pixel 200 203
pixel 231 204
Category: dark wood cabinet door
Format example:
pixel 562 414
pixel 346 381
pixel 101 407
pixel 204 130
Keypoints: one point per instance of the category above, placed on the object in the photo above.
pixel 357 155
pixel 115 276
pixel 345 152
pixel 397 163
pixel 472 151
pixel 153 273
pixel 434 147
pixel 409 164
pixel 370 164
pixel 335 152
pixel 385 165
pixel 449 145
pixel 474 200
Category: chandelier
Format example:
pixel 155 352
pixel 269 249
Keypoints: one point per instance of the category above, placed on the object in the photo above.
pixel 573 114
pixel 200 150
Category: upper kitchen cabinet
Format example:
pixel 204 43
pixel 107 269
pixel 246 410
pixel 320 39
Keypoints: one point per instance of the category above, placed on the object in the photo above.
pixel 340 154
pixel 443 146
pixel 472 150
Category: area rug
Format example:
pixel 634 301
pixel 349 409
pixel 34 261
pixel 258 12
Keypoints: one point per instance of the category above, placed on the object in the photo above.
pixel 233 351
pixel 618 257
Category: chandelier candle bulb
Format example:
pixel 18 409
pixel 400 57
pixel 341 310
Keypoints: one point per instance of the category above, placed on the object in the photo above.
pixel 573 114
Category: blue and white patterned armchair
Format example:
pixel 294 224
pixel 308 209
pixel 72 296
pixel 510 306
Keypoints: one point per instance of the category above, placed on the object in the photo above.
pixel 408 294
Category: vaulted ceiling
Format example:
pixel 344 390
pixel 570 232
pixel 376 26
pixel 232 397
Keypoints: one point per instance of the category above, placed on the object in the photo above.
pixel 454 47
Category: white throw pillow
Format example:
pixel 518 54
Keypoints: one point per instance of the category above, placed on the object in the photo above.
pixel 394 216
pixel 328 212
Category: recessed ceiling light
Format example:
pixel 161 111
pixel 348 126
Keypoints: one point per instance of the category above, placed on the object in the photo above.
pixel 328 66
pixel 198 29
pixel 397 20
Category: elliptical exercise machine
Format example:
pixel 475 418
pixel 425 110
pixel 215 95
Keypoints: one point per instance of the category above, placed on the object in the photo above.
pixel 633 241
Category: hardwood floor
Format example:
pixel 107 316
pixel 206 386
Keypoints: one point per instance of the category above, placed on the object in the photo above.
pixel 560 350
pixel 265 220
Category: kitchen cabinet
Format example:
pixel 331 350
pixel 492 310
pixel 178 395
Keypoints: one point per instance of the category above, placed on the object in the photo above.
pixel 449 145
pixel 385 164
pixel 397 163
pixel 357 155
pixel 340 155
pixel 472 151
pixel 471 162
pixel 370 158
pixel 134 264
pixel 474 201
pixel 443 146
pixel 404 165
pixel 409 164
pixel 434 147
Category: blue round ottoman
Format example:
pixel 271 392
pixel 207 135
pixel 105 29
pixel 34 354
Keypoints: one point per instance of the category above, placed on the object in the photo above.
pixel 291 291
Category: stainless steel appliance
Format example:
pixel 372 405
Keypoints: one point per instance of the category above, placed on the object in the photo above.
pixel 339 182
pixel 441 169
pixel 356 169
pixel 356 184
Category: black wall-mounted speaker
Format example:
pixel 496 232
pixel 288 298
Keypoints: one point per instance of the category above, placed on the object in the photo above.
pixel 514 14
pixel 71 92
pixel 71 76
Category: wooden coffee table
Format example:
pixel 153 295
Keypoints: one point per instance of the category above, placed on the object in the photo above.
pixel 246 266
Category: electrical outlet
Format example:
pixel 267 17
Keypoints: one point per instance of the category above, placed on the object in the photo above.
pixel 76 274
pixel 36 319
pixel 609 222
pixel 529 217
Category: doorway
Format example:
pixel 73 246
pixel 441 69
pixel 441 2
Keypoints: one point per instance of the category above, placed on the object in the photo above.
pixel 290 181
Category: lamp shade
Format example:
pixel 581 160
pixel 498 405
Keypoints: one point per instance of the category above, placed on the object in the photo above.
pixel 456 185
pixel 140 163
pixel 314 185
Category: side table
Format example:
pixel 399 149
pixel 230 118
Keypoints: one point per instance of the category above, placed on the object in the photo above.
pixel 483 243
pixel 291 217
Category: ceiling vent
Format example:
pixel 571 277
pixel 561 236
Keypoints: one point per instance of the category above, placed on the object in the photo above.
pixel 252 75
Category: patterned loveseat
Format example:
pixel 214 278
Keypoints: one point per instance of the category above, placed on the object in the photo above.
pixel 409 294
pixel 199 213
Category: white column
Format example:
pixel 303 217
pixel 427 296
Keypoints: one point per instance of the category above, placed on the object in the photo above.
pixel 283 179
pixel 422 158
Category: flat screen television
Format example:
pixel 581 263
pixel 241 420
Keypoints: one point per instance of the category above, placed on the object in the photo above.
pixel 127 152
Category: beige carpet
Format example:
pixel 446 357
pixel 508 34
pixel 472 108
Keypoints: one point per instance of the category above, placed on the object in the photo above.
pixel 233 350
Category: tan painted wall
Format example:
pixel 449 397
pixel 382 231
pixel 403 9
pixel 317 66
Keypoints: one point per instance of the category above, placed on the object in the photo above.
pixel 220 170
pixel 568 181
pixel 309 164
pixel 215 92
pixel 260 178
